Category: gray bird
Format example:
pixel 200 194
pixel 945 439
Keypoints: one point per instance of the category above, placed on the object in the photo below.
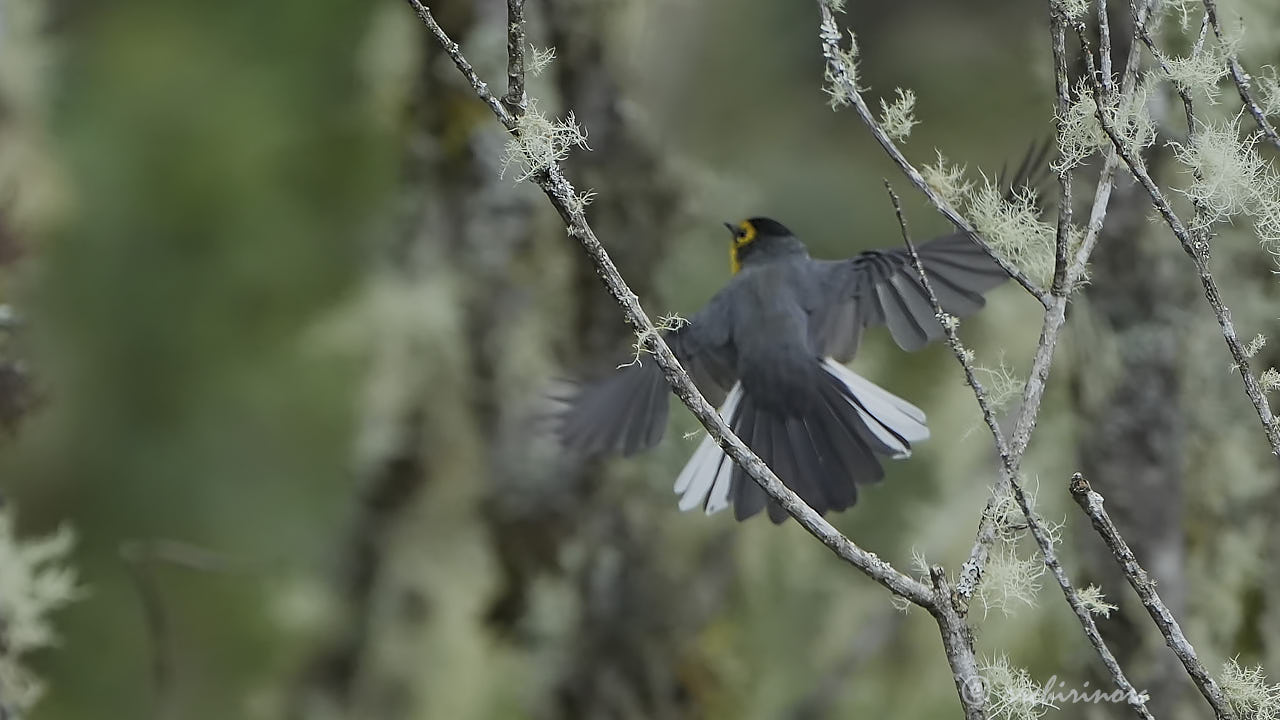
pixel 772 345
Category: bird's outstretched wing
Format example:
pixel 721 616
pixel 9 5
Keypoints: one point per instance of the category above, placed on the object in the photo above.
pixel 625 410
pixel 882 287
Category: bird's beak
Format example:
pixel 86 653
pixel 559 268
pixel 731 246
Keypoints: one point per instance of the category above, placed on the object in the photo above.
pixel 733 230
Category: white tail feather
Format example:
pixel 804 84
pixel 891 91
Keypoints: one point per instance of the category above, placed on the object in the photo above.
pixel 719 497
pixel 707 478
pixel 700 480
pixel 887 415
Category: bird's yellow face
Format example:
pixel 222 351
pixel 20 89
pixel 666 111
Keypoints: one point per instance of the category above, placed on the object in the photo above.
pixel 744 233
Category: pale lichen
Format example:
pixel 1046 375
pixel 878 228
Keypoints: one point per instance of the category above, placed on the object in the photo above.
pixel 1201 71
pixel 1081 133
pixel 897 118
pixel 33 583
pixel 1074 9
pixel 1248 693
pixel 1267 90
pixel 1009 581
pixel 1092 599
pixel 665 324
pixel 1001 384
pixel 1224 167
pixel 539 59
pixel 1270 380
pixel 538 143
pixel 1255 345
pixel 1230 178
pixel 1011 223
pixel 946 179
pixel 840 78
pixel 1011 693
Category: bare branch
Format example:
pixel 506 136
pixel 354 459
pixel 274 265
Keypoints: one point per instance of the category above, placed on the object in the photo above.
pixel 1241 78
pixel 1091 503
pixel 1062 88
pixel 1040 533
pixel 564 198
pixel 957 643
pixel 1054 302
pixel 455 54
pixel 1197 248
pixel 1054 318
pixel 1104 50
pixel 516 100
pixel 1111 161
pixel 953 340
pixel 839 74
pixel 1034 523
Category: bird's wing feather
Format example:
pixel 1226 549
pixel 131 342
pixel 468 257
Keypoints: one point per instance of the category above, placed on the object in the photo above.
pixel 883 288
pixel 625 410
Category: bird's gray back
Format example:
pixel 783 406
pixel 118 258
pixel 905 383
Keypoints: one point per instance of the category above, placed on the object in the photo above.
pixel 776 360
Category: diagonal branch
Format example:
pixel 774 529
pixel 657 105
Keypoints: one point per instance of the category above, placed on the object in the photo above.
pixel 1054 319
pixel 1091 503
pixel 562 195
pixel 1241 78
pixel 1197 248
pixel 841 76
pixel 1034 523
pixel 953 341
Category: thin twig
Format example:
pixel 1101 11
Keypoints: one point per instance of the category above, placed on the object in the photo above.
pixel 829 34
pixel 1104 50
pixel 1091 503
pixel 1188 105
pixel 953 340
pixel 154 616
pixel 1054 318
pixel 141 557
pixel 1135 699
pixel 1241 78
pixel 1062 88
pixel 564 197
pixel 1197 249
pixel 1034 523
pixel 454 52
pixel 1111 162
pixel 516 100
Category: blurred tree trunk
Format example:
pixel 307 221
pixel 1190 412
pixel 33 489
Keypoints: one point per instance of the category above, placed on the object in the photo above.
pixel 464 516
pixel 1133 430
pixel 1128 385
pixel 413 557
pixel 623 655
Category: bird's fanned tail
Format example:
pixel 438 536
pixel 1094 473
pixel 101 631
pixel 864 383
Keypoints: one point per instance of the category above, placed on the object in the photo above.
pixel 823 454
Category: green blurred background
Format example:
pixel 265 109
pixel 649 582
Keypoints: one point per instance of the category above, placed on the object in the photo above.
pixel 286 328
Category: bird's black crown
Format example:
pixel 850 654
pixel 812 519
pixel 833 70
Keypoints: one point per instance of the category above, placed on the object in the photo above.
pixel 769 226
